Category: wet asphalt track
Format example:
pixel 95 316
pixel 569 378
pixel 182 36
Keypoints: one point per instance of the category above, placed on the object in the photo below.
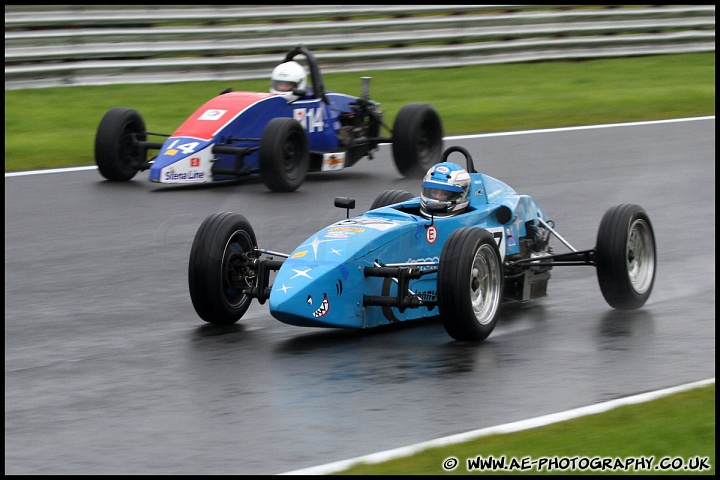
pixel 108 370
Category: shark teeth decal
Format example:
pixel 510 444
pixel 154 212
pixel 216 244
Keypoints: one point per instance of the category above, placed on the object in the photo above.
pixel 323 309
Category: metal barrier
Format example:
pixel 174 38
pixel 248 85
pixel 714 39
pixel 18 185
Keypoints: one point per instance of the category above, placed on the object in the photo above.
pixel 51 45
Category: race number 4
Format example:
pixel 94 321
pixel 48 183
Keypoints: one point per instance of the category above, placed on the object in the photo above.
pixel 185 148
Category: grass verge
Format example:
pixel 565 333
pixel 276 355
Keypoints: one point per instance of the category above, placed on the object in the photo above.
pixel 55 127
pixel 677 430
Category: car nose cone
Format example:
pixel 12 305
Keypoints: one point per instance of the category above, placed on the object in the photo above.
pixel 313 294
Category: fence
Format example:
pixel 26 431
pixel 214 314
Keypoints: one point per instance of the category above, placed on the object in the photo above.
pixel 52 45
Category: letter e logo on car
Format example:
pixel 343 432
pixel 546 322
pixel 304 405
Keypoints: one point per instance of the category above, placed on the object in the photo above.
pixel 431 234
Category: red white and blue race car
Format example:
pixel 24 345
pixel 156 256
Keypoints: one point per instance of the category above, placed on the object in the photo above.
pixel 407 258
pixel 279 135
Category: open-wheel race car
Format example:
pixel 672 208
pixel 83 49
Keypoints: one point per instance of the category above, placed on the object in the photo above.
pixel 407 258
pixel 280 135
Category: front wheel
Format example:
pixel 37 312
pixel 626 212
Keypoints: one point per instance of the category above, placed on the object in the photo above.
pixel 417 139
pixel 625 256
pixel 218 271
pixel 117 153
pixel 284 155
pixel 470 284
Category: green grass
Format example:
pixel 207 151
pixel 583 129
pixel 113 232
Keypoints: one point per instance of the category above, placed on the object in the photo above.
pixel 55 127
pixel 681 425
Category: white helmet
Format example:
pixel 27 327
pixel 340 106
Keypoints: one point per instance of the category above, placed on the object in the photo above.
pixel 447 183
pixel 286 77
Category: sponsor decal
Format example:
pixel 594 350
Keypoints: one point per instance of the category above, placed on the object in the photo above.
pixel 431 234
pixel 333 161
pixel 374 223
pixel 442 169
pixel 510 238
pixel 424 260
pixel 299 254
pixel 336 235
pixel 435 260
pixel 190 169
pixel 191 175
pixel 212 114
pixel 494 193
pixel 348 229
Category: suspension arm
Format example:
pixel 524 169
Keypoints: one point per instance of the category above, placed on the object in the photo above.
pixel 405 298
pixel 581 257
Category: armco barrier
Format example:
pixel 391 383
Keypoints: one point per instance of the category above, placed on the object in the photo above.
pixel 52 45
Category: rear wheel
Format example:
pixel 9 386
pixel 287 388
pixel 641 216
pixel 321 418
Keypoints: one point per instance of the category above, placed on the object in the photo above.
pixel 218 270
pixel 117 153
pixel 417 139
pixel 284 155
pixel 470 284
pixel 390 197
pixel 625 256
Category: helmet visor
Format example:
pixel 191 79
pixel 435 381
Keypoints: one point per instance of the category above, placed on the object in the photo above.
pixel 283 85
pixel 441 193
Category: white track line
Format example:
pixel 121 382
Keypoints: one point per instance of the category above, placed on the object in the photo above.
pixel 479 135
pixel 506 428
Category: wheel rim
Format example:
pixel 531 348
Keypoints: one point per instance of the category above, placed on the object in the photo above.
pixel 485 284
pixel 427 141
pixel 235 273
pixel 126 145
pixel 291 156
pixel 640 256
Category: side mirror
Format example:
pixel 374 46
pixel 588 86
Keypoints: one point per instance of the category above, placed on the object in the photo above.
pixel 345 202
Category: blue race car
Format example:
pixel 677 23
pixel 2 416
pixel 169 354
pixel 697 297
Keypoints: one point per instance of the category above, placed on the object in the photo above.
pixel 407 259
pixel 280 136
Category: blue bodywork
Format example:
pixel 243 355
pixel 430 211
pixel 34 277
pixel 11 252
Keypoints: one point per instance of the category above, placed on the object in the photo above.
pixel 238 119
pixel 322 282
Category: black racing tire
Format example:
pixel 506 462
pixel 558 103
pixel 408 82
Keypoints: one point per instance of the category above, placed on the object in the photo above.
pixel 284 155
pixel 390 197
pixel 470 284
pixel 117 153
pixel 417 139
pixel 625 256
pixel 218 271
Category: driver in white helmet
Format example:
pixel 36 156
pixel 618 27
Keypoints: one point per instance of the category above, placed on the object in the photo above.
pixel 286 78
pixel 447 183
